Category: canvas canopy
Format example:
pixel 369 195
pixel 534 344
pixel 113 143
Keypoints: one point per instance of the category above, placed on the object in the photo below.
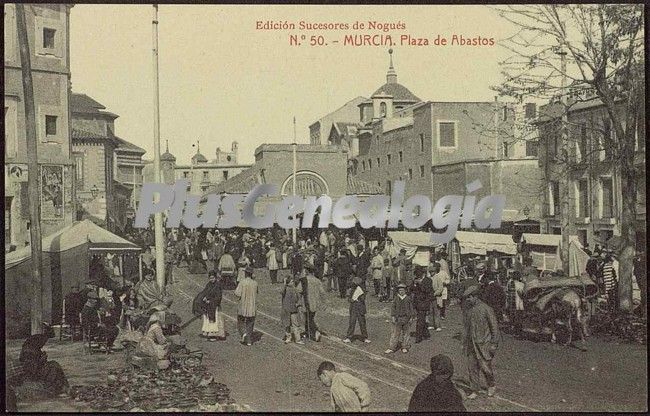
pixel 481 243
pixel 66 263
pixel 416 244
pixel 73 236
pixel 549 240
pixel 548 256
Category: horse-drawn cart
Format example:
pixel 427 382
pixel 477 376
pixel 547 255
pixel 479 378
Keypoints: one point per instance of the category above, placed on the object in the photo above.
pixel 554 305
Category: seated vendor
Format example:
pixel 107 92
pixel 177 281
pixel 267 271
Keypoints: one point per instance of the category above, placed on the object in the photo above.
pixel 37 368
pixel 154 344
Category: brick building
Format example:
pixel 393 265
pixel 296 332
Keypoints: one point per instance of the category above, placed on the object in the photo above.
pixel 319 170
pixel 587 175
pixel 439 147
pixel 49 45
pixel 104 164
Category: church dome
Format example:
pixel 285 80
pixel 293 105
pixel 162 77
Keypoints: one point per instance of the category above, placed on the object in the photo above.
pixel 398 91
pixel 393 88
pixel 199 158
pixel 167 157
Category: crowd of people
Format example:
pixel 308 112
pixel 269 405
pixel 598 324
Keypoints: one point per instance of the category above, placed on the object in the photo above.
pixel 340 262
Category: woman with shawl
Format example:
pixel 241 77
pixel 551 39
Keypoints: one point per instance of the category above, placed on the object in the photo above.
pixel 37 368
pixel 208 303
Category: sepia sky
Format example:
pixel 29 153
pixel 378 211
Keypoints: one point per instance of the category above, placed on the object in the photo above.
pixel 223 80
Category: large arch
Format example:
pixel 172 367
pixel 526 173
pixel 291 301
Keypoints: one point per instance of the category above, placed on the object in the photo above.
pixel 308 183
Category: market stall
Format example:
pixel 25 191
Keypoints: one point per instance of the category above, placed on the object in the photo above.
pixel 67 258
pixel 472 245
pixel 417 244
pixel 544 249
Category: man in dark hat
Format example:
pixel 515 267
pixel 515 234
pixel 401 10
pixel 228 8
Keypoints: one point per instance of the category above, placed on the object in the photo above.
pixel 437 392
pixel 480 340
pixel 422 289
pixel 74 303
pixel 357 298
pixel 314 297
pixel 342 269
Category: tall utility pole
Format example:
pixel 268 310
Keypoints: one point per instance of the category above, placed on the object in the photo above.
pixel 33 176
pixel 293 180
pixel 158 225
pixel 565 211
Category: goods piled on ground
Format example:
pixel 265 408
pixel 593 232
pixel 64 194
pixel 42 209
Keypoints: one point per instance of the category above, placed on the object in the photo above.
pixel 174 389
pixel 628 327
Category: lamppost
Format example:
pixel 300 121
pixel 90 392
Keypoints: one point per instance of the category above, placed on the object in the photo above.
pixel 294 146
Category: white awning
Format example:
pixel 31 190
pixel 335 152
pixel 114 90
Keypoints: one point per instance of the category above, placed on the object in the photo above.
pixel 481 243
pixel 550 240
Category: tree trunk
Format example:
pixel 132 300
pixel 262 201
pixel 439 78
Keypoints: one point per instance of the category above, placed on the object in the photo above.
pixel 628 232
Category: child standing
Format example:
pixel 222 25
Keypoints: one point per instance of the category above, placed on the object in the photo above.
pixel 402 314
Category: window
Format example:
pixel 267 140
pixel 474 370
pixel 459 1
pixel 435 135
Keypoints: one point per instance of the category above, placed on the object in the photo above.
pixel 606 140
pixel 606 197
pixel 225 175
pixel 505 149
pixel 581 149
pixel 186 174
pixel 7 222
pixel 447 133
pixel 48 38
pixel 410 173
pixel 421 171
pixel 582 237
pixel 531 148
pixel 377 139
pixel 388 157
pixel 204 188
pixel 10 27
pixel 378 162
pixel 556 230
pixel 554 198
pixel 206 175
pixel 389 187
pixel 50 125
pixel 530 110
pixel 363 164
pixel 382 109
pixel 421 142
pixel 505 113
pixel 79 169
pixel 401 157
pixel 11 122
pixel 369 163
pixel 582 207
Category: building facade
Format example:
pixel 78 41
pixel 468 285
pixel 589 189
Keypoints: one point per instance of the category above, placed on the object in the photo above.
pixel 438 148
pixel 583 170
pixel 102 163
pixel 49 45
pixel 320 170
pixel 200 172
